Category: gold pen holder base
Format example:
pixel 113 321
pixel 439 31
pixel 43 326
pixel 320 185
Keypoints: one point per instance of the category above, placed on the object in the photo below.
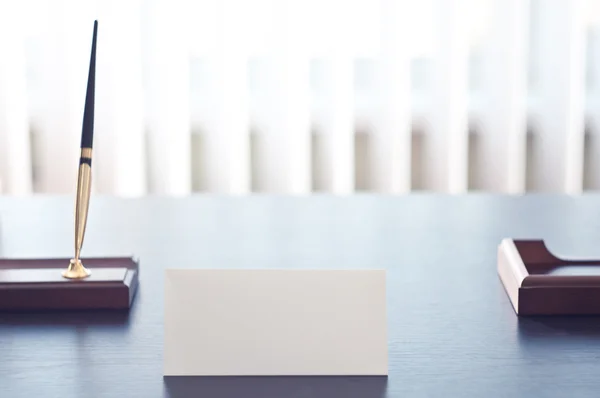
pixel 76 270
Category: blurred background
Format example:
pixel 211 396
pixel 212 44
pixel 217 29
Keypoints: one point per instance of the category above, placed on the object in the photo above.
pixel 301 97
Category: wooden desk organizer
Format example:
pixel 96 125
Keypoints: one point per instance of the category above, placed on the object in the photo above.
pixel 37 284
pixel 540 283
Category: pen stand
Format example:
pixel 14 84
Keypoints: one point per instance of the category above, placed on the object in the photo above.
pixel 38 284
pixel 539 283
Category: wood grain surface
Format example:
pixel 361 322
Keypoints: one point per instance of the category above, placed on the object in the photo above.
pixel 452 330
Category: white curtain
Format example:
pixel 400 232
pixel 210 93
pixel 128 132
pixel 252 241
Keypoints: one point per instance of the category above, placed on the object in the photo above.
pixel 296 97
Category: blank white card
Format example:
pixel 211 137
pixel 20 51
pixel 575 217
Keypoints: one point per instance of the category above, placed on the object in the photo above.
pixel 275 322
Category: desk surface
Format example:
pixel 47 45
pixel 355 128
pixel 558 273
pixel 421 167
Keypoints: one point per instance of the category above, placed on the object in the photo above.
pixel 452 330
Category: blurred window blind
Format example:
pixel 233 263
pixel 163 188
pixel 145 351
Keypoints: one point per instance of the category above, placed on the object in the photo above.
pixel 296 97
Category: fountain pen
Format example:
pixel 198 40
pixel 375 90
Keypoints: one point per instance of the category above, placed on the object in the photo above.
pixel 76 270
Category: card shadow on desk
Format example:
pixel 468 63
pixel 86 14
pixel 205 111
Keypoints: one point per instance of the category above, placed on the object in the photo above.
pixel 276 386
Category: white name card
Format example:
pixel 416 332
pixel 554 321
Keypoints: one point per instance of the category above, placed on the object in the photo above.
pixel 275 322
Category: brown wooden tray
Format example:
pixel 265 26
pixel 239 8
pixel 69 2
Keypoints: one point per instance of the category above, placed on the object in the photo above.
pixel 37 284
pixel 540 283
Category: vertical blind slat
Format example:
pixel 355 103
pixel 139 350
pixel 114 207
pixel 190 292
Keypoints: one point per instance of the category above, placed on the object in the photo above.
pixel 168 106
pixel 227 146
pixel 338 134
pixel 501 144
pixel 286 145
pixel 560 92
pixel 446 144
pixel 340 129
pixel 391 171
pixel 592 106
pixel 15 158
pixel 121 167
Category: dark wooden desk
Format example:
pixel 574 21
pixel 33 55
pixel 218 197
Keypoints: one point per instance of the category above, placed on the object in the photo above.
pixel 452 330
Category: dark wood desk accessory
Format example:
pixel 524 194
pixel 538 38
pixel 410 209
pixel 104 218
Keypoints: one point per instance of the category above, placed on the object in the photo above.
pixel 540 283
pixel 37 284
pixel 59 284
